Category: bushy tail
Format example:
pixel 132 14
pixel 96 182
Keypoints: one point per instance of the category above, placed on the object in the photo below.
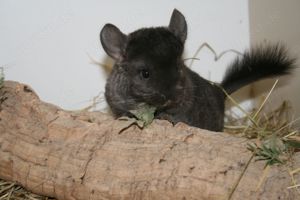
pixel 258 63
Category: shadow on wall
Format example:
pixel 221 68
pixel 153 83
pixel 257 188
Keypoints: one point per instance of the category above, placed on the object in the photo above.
pixel 278 21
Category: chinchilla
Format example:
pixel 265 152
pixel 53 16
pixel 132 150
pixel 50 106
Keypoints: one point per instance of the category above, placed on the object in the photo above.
pixel 149 69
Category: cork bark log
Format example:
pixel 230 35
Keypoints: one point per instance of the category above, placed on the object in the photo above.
pixel 83 155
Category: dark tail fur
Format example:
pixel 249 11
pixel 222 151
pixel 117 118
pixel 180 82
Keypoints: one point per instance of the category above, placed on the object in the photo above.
pixel 256 64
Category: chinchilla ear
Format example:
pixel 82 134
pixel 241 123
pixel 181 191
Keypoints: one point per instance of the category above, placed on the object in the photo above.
pixel 178 25
pixel 113 41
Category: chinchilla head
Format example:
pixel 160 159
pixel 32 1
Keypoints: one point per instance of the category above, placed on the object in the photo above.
pixel 150 58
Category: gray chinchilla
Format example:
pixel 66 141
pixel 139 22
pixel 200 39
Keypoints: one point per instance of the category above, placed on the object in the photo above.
pixel 149 69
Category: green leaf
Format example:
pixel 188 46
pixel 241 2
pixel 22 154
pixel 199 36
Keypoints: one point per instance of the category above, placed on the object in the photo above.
pixel 144 113
pixel 144 116
pixel 270 151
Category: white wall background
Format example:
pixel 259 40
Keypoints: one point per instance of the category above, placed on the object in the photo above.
pixel 46 43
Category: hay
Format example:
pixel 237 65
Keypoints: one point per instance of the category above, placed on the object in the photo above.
pixel 11 191
pixel 276 137
pixel 1 77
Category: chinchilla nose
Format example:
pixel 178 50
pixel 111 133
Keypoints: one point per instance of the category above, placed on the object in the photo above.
pixel 162 99
pixel 159 99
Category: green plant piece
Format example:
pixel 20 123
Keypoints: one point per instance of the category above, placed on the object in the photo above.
pixel 144 113
pixel 271 150
pixel 144 116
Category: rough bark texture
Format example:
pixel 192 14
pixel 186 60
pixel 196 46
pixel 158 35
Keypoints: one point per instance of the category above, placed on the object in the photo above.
pixel 71 155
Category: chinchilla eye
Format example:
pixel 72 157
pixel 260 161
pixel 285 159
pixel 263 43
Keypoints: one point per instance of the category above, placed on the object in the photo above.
pixel 145 73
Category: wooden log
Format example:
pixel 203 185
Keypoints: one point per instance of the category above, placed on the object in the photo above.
pixel 85 155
